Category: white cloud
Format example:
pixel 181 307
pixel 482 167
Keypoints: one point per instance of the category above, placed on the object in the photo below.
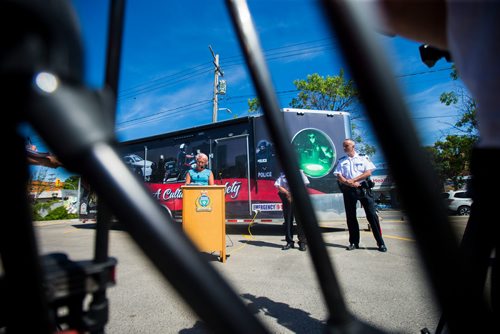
pixel 164 111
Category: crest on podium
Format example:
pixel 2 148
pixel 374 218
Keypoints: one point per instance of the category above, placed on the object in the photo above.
pixel 203 203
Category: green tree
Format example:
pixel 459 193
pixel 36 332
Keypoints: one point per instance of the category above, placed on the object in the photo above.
pixel 253 105
pixel 71 182
pixel 325 93
pixel 465 105
pixel 451 156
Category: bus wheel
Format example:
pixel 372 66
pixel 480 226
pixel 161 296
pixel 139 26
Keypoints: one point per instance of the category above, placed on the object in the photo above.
pixel 167 210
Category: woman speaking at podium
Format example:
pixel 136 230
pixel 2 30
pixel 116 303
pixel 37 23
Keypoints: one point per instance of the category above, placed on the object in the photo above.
pixel 200 174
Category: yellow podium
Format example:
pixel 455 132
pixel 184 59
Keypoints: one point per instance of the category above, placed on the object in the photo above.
pixel 204 217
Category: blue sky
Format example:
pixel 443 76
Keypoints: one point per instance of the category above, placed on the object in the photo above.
pixel 166 75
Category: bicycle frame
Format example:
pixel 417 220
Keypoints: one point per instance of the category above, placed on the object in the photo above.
pixel 85 144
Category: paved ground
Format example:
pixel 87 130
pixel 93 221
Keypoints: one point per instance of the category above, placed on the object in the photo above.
pixel 387 290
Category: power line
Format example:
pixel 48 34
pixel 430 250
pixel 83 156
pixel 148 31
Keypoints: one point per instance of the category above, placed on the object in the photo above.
pixel 423 72
pixel 363 119
pixel 205 68
pixel 285 92
pixel 158 85
pixel 201 69
pixel 177 110
pixel 167 112
pixel 162 77
pixel 164 111
pixel 288 51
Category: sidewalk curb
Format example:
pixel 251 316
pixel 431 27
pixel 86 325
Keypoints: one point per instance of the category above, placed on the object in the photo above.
pixel 55 222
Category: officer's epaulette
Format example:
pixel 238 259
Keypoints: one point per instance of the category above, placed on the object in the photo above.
pixel 344 157
pixel 364 155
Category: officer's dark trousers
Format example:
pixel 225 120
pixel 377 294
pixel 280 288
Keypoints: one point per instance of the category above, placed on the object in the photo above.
pixel 351 197
pixel 288 226
pixel 288 216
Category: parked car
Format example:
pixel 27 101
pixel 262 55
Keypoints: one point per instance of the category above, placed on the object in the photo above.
pixel 143 168
pixel 458 202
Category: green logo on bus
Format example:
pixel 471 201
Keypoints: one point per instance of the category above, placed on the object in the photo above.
pixel 315 151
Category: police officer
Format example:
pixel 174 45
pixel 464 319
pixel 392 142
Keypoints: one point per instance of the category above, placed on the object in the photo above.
pixel 285 195
pixel 352 171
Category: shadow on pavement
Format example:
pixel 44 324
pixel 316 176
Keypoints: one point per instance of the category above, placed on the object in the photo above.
pixel 198 327
pixel 328 244
pixel 115 226
pixel 255 229
pixel 210 257
pixel 343 246
pixel 269 229
pixel 296 320
pixel 85 226
pixel 258 243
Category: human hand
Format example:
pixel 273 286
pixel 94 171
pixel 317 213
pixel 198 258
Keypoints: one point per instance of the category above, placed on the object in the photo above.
pixel 349 182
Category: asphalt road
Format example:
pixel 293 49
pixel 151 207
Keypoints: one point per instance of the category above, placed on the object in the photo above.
pixel 387 290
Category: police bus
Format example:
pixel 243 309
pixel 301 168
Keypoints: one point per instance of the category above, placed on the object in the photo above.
pixel 242 157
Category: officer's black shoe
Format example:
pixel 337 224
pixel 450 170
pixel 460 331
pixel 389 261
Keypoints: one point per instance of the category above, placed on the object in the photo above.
pixel 288 246
pixel 352 247
pixel 382 248
pixel 302 247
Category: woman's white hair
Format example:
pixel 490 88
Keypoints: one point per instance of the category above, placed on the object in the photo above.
pixel 202 156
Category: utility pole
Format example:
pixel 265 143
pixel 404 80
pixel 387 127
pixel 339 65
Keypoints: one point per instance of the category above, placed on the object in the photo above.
pixel 217 72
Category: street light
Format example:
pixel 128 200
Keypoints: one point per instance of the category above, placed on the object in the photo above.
pixel 226 109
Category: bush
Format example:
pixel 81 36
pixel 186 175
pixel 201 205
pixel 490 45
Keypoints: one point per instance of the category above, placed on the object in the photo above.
pixel 56 214
pixel 60 213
